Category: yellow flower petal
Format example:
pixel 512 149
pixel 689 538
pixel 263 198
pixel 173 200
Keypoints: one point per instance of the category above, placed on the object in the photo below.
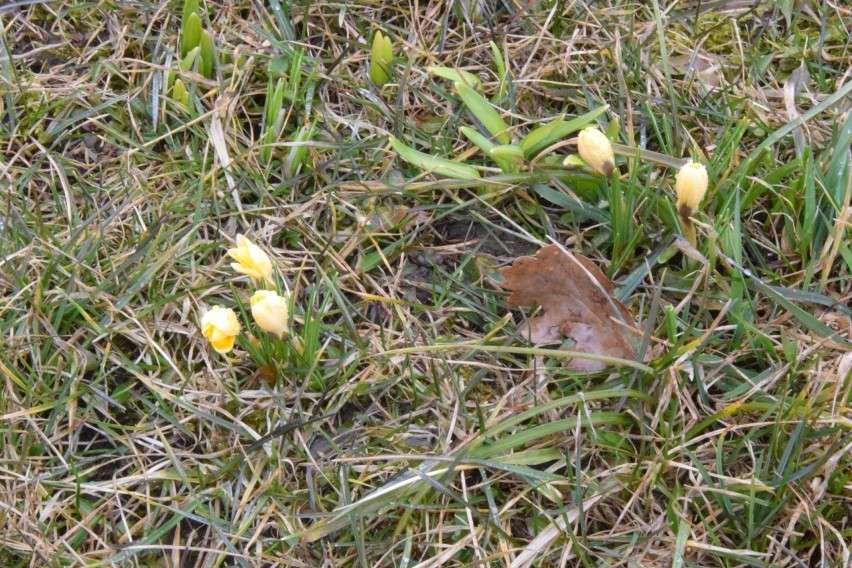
pixel 221 327
pixel 251 260
pixel 224 344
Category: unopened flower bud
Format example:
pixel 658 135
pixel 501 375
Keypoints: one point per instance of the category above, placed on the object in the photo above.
pixel 690 186
pixel 381 59
pixel 596 150
pixel 270 311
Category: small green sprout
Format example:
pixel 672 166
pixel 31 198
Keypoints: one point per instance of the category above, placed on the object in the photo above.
pixel 381 59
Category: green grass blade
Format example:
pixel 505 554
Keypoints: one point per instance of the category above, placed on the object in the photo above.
pixel 456 76
pixel 554 131
pixel 484 112
pixel 433 164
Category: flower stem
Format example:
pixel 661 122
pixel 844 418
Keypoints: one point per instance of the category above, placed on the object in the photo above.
pixel 686 224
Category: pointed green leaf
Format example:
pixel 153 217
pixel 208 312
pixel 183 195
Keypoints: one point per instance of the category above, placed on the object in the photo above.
pixel 274 102
pixel 299 150
pixel 612 130
pixel 574 161
pixel 809 219
pixel 206 54
pixel 191 36
pixel 544 136
pixel 484 113
pixel 486 145
pixel 498 61
pixel 189 7
pixel 456 76
pixel 188 62
pixel 381 59
pixel 433 164
pixel 180 95
pixel 509 152
pixel 273 119
pixel 294 80
pixel 502 75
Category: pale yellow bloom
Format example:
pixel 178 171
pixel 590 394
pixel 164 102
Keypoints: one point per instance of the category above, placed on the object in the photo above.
pixel 251 260
pixel 221 326
pixel 690 186
pixel 596 150
pixel 270 311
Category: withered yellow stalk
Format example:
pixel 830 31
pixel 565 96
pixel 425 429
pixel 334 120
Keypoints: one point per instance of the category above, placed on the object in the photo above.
pixel 690 186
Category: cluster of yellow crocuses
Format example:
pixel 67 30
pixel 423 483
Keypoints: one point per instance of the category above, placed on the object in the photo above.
pixel 690 184
pixel 270 311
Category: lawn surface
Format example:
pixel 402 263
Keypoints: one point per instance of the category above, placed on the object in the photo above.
pixel 405 420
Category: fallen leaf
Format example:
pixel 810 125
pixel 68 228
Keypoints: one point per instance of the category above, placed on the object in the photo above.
pixel 707 67
pixel 578 302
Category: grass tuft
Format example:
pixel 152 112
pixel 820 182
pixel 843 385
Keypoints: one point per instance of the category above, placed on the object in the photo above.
pixel 409 423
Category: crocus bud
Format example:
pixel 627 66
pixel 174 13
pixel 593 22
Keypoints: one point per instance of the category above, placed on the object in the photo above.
pixel 221 326
pixel 596 150
pixel 381 58
pixel 251 260
pixel 690 186
pixel 270 311
pixel 180 94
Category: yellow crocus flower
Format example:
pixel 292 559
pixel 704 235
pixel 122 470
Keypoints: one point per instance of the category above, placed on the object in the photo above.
pixel 251 260
pixel 596 150
pixel 690 186
pixel 270 311
pixel 220 326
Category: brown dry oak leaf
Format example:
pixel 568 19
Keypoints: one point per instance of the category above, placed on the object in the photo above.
pixel 578 302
